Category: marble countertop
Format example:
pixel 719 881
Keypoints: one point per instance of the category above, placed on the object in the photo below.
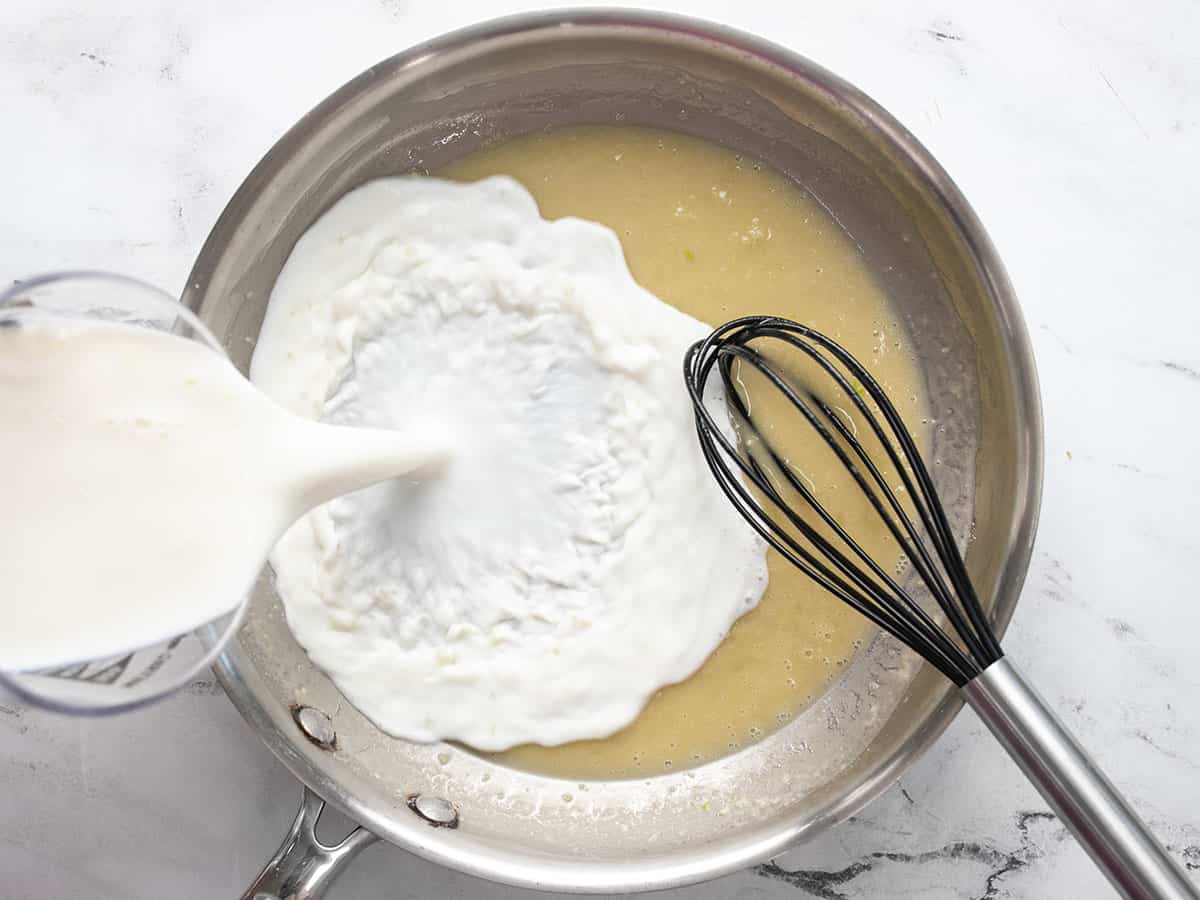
pixel 1074 129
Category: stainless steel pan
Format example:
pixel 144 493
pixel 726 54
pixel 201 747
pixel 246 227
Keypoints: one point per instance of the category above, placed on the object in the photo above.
pixel 443 99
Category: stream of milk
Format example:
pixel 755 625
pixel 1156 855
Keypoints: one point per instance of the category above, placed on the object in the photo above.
pixel 144 481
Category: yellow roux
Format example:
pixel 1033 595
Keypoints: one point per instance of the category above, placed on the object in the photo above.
pixel 720 236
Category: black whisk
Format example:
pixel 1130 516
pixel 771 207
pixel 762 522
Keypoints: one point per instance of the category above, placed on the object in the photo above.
pixel 760 481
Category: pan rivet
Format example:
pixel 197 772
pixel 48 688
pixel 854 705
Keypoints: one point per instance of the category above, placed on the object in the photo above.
pixel 316 725
pixel 436 811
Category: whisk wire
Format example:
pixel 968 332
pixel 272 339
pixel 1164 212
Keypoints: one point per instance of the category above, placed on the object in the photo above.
pixel 905 533
pixel 914 549
pixel 925 507
pixel 931 511
pixel 854 576
pixel 880 613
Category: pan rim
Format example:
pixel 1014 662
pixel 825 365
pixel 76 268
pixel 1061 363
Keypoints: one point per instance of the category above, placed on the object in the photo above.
pixel 697 863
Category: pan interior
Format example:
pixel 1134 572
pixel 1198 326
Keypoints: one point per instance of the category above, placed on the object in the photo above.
pixel 426 109
pixel 719 235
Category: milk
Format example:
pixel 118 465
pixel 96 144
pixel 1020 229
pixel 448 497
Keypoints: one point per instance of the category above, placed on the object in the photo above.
pixel 143 481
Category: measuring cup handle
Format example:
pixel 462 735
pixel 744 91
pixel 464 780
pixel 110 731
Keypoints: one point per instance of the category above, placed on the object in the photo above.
pixel 303 868
pixel 1085 800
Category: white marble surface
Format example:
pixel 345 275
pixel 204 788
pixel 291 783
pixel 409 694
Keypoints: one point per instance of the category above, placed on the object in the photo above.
pixel 1073 127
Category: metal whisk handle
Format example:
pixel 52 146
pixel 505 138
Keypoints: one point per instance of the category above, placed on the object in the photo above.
pixel 1117 840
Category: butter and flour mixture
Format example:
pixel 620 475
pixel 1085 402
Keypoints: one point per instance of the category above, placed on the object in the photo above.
pixel 574 555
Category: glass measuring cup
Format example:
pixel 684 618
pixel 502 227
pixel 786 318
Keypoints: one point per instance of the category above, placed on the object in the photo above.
pixel 142 674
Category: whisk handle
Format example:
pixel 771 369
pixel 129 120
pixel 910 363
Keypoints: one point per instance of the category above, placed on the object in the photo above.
pixel 1117 840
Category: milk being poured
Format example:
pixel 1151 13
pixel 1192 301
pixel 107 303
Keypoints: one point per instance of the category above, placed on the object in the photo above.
pixel 539 582
pixel 144 481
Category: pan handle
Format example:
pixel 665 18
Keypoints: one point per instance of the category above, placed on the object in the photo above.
pixel 303 868
pixel 1084 799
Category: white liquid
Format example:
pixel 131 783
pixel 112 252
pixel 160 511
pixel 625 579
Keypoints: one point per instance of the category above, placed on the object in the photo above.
pixel 576 554
pixel 143 481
